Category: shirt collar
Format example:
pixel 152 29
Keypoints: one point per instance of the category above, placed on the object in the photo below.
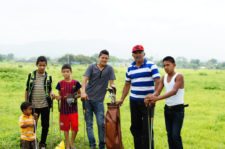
pixel 134 63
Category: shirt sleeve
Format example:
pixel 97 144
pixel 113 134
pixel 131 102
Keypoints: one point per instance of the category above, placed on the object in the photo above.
pixel 21 121
pixel 155 72
pixel 128 78
pixel 112 74
pixel 88 71
pixel 58 86
pixel 78 86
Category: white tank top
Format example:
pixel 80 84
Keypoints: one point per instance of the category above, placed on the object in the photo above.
pixel 175 99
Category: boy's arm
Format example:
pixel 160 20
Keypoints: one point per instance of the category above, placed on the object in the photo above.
pixel 178 84
pixel 159 87
pixel 26 125
pixel 26 95
pixel 27 87
pixel 78 93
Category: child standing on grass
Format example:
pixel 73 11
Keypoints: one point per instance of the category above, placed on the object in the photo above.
pixel 26 123
pixel 39 93
pixel 69 91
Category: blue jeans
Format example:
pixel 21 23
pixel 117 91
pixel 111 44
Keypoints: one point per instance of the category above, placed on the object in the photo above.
pixel 174 120
pixel 97 108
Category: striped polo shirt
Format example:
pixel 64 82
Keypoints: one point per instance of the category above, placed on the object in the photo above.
pixel 142 79
pixel 38 94
pixel 28 132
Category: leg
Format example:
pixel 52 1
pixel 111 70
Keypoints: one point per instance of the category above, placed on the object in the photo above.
pixel 168 114
pixel 99 112
pixel 45 124
pixel 89 123
pixel 73 137
pixel 24 144
pixel 74 128
pixel 67 141
pixel 176 129
pixel 136 124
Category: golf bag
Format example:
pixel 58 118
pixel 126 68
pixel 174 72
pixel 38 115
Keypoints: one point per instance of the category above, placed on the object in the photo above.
pixel 113 133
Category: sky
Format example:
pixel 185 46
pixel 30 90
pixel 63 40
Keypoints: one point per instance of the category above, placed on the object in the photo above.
pixel 194 29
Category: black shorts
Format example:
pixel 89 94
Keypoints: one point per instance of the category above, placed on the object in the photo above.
pixel 27 144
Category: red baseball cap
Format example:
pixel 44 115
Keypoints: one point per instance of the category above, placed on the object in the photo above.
pixel 137 48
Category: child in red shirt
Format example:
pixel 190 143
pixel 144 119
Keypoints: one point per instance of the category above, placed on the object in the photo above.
pixel 69 91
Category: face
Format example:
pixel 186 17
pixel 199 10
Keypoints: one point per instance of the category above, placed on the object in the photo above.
pixel 41 67
pixel 138 56
pixel 66 73
pixel 169 66
pixel 28 111
pixel 103 59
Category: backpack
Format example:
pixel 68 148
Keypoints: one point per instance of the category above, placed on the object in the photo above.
pixel 47 86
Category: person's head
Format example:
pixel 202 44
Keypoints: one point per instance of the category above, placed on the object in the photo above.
pixel 26 108
pixel 41 64
pixel 103 57
pixel 66 71
pixel 169 64
pixel 138 53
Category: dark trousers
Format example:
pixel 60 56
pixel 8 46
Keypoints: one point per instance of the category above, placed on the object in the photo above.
pixel 139 125
pixel 27 144
pixel 174 117
pixel 44 112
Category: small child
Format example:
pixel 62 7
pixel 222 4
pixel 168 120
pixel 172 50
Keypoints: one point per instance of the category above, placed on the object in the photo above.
pixel 26 123
pixel 69 91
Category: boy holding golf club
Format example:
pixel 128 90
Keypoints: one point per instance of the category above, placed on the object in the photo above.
pixel 27 127
pixel 174 107
pixel 69 91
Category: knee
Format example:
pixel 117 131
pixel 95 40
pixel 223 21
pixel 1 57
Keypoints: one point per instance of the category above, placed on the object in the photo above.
pixel 175 137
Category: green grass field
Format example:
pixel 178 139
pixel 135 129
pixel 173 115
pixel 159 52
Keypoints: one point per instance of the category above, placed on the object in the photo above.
pixel 204 124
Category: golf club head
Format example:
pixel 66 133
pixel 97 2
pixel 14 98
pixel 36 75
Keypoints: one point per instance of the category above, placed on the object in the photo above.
pixel 112 91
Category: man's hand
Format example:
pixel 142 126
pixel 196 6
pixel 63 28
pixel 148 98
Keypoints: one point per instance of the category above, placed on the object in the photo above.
pixel 150 99
pixel 119 102
pixel 84 96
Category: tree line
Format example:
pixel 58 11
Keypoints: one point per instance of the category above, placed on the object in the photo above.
pixel 181 62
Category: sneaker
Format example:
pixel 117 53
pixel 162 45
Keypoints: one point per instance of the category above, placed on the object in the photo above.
pixel 42 146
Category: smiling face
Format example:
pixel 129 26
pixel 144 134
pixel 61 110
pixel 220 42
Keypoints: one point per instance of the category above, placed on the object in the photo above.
pixel 103 59
pixel 169 66
pixel 66 73
pixel 41 66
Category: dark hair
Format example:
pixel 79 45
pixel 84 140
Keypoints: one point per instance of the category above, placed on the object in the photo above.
pixel 103 52
pixel 67 66
pixel 41 59
pixel 25 105
pixel 170 59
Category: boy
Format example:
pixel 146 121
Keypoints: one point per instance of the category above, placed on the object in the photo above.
pixel 69 91
pixel 39 93
pixel 26 123
pixel 174 107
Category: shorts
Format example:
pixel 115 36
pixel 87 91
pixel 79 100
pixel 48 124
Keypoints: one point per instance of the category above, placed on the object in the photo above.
pixel 69 121
pixel 27 144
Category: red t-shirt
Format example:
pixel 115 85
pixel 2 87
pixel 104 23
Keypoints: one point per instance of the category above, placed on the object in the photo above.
pixel 67 88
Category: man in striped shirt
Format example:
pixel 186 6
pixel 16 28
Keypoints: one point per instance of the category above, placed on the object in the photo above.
pixel 142 77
